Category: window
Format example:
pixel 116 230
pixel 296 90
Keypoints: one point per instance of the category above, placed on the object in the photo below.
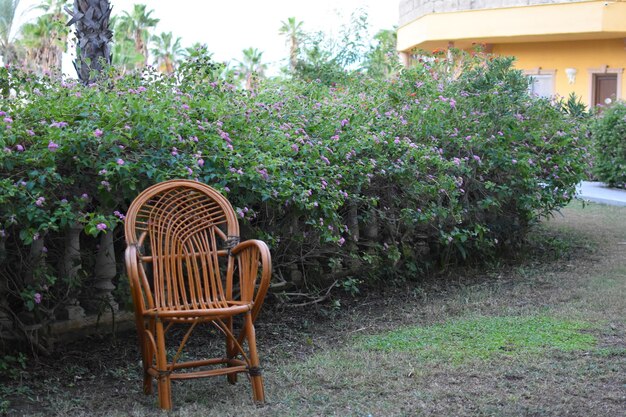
pixel 541 85
pixel 541 82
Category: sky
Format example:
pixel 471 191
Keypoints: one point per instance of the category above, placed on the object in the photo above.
pixel 229 26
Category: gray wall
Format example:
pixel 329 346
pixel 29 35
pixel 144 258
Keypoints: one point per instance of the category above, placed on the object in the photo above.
pixel 412 9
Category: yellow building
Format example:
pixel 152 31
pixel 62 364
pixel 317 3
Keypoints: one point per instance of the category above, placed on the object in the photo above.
pixel 565 45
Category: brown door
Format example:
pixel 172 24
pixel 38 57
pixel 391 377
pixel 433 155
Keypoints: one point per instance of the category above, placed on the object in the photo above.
pixel 604 88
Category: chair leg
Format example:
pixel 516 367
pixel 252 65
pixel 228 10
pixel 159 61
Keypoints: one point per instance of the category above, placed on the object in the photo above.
pixel 231 351
pixel 256 379
pixel 146 357
pixel 163 381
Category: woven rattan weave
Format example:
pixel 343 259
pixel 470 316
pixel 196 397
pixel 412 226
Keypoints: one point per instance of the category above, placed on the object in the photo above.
pixel 187 266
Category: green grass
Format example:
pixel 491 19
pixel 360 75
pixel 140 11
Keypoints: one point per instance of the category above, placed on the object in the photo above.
pixel 484 337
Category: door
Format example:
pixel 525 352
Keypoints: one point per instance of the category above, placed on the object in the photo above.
pixel 604 89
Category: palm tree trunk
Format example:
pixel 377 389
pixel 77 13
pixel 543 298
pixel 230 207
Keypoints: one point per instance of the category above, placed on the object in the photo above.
pixel 93 49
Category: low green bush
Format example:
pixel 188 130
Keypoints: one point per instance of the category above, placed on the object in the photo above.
pixel 369 179
pixel 608 131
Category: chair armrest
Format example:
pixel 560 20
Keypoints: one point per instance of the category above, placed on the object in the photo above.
pixel 248 255
pixel 131 259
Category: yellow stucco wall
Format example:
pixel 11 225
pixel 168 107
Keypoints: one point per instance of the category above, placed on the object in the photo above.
pixel 592 19
pixel 582 55
pixel 586 35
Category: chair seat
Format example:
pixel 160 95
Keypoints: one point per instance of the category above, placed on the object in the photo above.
pixel 209 313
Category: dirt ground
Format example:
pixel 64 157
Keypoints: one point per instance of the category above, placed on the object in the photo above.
pixel 315 364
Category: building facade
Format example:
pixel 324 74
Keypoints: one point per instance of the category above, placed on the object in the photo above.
pixel 566 46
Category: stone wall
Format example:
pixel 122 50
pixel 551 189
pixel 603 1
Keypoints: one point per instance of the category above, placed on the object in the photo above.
pixel 413 9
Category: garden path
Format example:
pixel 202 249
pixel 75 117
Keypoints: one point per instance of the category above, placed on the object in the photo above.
pixel 599 192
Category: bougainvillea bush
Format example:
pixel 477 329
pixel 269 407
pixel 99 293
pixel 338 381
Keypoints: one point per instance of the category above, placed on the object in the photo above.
pixel 371 179
pixel 608 131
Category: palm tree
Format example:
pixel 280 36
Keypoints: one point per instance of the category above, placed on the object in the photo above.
pixel 7 18
pixel 45 40
pixel 93 49
pixel 136 26
pixel 124 54
pixel 251 68
pixel 195 49
pixel 166 51
pixel 292 30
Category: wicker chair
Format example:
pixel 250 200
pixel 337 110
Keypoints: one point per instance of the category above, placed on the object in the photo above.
pixel 182 257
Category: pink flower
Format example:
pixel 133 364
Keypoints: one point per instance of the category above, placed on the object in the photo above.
pixel 19 148
pixel 37 298
pixel 101 226
pixel 40 202
pixel 118 214
pixel 8 120
pixel 263 173
pixel 295 148
pixel 185 107
pixel 30 132
pixel 120 161
pixel 200 162
pixel 341 241
pixel 52 146
pixel 98 133
pixel 174 152
pixel 344 122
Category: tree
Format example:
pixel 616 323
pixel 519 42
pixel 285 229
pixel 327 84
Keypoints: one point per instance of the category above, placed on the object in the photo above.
pixel 135 26
pixel 7 19
pixel 252 67
pixel 45 40
pixel 166 51
pixel 196 49
pixel 124 54
pixel 331 59
pixel 292 30
pixel 382 59
pixel 93 49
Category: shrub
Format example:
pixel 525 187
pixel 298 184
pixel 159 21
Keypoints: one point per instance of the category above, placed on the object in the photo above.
pixel 609 143
pixel 449 161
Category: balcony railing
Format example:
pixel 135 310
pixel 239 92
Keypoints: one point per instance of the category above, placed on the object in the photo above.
pixel 414 9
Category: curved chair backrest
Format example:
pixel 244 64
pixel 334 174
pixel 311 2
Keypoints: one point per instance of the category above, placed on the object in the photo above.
pixel 182 227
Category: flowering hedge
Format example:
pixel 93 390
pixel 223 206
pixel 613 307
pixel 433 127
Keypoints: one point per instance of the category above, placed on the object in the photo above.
pixel 368 179
pixel 608 130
